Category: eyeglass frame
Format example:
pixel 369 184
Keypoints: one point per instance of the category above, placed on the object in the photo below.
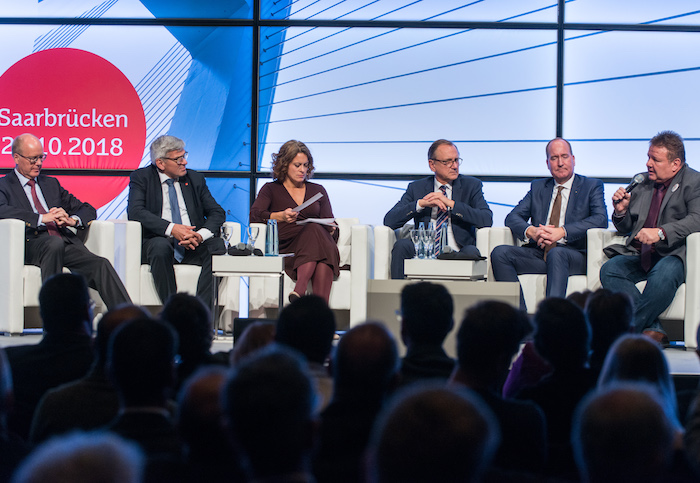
pixel 182 159
pixel 448 162
pixel 35 159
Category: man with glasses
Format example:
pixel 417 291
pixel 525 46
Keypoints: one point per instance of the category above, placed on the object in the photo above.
pixel 180 219
pixel 48 209
pixel 445 198
pixel 552 221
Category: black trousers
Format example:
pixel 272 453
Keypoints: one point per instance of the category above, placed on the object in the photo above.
pixel 52 253
pixel 158 252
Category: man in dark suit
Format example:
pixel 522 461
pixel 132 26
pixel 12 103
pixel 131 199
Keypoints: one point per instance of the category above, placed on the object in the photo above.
pixel 461 197
pixel 657 215
pixel 179 217
pixel 552 221
pixel 47 210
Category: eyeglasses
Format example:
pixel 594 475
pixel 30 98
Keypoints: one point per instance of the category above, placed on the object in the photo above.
pixel 179 159
pixel 448 162
pixel 34 159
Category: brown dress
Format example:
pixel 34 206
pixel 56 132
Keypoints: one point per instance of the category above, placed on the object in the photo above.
pixel 310 242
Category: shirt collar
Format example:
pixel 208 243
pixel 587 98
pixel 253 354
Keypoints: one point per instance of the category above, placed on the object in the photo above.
pixel 567 184
pixel 164 177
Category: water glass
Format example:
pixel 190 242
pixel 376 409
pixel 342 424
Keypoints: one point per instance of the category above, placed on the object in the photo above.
pixel 253 232
pixel 415 238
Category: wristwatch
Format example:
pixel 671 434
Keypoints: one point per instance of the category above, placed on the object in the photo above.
pixel 661 234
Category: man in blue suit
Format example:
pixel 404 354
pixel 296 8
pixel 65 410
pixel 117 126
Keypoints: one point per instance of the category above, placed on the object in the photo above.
pixel 552 221
pixel 448 191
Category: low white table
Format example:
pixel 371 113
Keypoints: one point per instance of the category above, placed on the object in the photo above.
pixel 245 266
pixel 434 269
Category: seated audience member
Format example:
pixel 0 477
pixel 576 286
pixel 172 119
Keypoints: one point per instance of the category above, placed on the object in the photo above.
pixel 12 448
pixel 431 433
pixel 192 322
pixel 365 366
pixel 269 402
pixel 209 455
pixel 64 353
pixel 552 221
pixel 256 336
pixel 445 198
pixel 89 402
pixel 48 210
pixel 141 364
pixel 487 340
pixel 610 316
pixel 621 434
pixel 83 458
pixel 635 358
pixel 308 326
pixel 426 319
pixel 657 216
pixel 562 337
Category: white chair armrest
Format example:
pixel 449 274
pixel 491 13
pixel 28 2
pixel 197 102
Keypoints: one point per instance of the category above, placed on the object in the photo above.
pixel 11 282
pixel 384 239
pixel 100 239
pixel 127 256
pixel 692 289
pixel 489 238
pixel 597 240
pixel 361 270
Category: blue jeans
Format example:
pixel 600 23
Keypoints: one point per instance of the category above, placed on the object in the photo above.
pixel 509 261
pixel 621 273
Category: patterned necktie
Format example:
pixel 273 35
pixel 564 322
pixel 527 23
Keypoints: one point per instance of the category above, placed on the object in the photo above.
pixel 441 220
pixel 554 217
pixel 654 209
pixel 51 226
pixel 176 218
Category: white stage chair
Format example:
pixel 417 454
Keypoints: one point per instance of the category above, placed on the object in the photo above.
pixel 21 283
pixel 348 292
pixel 686 304
pixel 139 281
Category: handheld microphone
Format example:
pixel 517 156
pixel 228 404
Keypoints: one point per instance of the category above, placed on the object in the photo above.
pixel 636 181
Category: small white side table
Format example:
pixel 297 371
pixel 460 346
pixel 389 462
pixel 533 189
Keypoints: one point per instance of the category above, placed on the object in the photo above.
pixel 434 269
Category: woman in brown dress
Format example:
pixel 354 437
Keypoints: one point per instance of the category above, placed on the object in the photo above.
pixel 314 246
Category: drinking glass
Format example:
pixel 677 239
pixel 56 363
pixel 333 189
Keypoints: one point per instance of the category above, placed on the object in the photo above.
pixel 415 238
pixel 226 234
pixel 253 232
pixel 429 243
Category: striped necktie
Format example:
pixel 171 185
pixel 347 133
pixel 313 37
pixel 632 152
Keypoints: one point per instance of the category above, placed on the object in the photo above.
pixel 441 220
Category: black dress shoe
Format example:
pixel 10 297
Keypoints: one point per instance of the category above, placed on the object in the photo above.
pixel 293 296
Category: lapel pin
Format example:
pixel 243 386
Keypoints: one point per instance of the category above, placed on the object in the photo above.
pixel 675 187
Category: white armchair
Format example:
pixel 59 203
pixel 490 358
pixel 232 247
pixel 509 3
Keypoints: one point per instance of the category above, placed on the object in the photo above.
pixel 533 285
pixel 348 292
pixel 21 283
pixel 685 305
pixel 139 281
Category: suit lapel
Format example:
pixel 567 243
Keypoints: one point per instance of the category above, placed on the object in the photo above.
pixel 188 195
pixel 573 195
pixel 18 192
pixel 545 199
pixel 673 188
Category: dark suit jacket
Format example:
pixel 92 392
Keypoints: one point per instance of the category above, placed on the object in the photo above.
pixel 469 213
pixel 679 215
pixel 585 209
pixel 146 204
pixel 14 203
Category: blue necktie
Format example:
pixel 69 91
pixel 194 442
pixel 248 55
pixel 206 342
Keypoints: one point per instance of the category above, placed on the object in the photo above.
pixel 441 220
pixel 176 218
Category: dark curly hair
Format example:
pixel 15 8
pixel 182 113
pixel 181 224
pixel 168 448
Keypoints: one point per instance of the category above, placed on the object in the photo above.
pixel 286 154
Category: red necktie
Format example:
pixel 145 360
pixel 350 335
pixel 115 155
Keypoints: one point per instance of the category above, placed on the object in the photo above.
pixel 652 217
pixel 51 226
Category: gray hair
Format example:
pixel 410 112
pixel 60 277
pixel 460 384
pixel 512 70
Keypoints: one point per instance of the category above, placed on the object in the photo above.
pixel 83 457
pixel 163 145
